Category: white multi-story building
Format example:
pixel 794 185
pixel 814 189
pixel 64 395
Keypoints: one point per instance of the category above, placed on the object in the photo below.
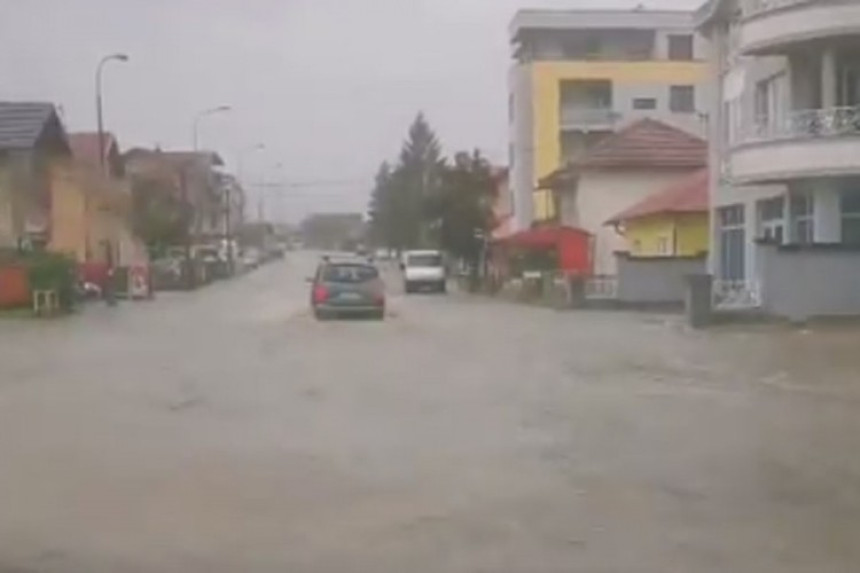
pixel 785 151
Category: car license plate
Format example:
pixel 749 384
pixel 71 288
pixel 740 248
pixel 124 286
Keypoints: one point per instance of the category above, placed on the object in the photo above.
pixel 350 296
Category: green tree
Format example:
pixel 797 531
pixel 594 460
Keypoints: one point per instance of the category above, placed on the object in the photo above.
pixel 464 208
pixel 158 216
pixel 415 184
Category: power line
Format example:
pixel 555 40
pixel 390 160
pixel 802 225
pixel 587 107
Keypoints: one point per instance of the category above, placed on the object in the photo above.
pixel 313 183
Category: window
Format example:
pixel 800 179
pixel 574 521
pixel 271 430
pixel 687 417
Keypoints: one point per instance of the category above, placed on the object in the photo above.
pixel 680 47
pixel 644 103
pixel 769 103
pixel 511 108
pixel 348 273
pixel 849 205
pixel 682 99
pixel 424 260
pixel 593 47
pixel 732 243
pixel 771 220
pixel 802 210
pixel 512 156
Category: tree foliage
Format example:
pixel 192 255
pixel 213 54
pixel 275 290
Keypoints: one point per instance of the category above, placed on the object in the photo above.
pixel 465 207
pixel 401 197
pixel 423 201
pixel 158 216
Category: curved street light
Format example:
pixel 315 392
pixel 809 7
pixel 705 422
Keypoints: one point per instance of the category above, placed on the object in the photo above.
pixel 206 113
pixel 99 113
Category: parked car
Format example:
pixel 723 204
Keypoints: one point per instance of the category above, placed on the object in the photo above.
pixel 347 288
pixel 424 270
pixel 251 259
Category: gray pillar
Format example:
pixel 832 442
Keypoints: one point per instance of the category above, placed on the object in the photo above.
pixel 576 292
pixel 829 95
pixel 698 301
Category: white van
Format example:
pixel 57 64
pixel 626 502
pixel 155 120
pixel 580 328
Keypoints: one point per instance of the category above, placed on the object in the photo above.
pixel 423 269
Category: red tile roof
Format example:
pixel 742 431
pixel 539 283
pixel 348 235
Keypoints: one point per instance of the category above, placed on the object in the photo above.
pixel 690 195
pixel 85 146
pixel 644 144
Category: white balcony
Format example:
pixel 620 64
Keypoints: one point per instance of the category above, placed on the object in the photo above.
pixel 802 144
pixel 777 26
pixel 588 119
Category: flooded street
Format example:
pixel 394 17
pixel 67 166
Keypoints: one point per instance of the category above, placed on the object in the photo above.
pixel 227 431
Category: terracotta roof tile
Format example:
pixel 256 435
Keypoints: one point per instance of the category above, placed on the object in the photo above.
pixel 647 143
pixel 690 195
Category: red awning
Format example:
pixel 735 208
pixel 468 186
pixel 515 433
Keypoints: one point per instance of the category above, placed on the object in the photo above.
pixel 542 237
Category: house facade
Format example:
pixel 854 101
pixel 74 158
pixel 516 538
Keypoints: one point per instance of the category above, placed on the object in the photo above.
pixel 579 75
pixel 503 204
pixel 785 146
pixel 32 141
pixel 625 168
pixel 91 205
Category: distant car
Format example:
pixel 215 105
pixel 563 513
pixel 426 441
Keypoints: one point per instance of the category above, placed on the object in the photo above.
pixel 423 270
pixel 347 288
pixel 251 259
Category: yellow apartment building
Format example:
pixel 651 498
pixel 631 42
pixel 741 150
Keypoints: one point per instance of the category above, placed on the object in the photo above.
pixel 579 75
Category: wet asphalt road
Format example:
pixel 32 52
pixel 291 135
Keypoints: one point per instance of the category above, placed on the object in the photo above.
pixel 226 431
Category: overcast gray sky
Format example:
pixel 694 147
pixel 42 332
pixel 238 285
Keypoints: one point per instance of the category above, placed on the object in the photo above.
pixel 330 86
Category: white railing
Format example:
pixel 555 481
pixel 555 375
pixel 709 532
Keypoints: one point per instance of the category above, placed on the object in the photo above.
pixel 576 117
pixel 737 295
pixel 752 8
pixel 601 287
pixel 831 122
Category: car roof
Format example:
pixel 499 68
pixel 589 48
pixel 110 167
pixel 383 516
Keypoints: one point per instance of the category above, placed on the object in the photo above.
pixel 345 260
pixel 424 252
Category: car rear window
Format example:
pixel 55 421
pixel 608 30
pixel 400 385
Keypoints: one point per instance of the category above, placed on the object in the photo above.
pixel 424 261
pixel 349 273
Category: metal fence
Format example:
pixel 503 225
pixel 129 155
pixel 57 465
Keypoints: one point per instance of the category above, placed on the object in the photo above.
pixel 831 122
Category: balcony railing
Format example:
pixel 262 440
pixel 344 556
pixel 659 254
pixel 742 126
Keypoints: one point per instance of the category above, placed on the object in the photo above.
pixel 810 123
pixel 587 117
pixel 752 8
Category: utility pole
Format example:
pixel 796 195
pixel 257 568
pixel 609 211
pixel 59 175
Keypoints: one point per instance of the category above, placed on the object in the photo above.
pixel 188 270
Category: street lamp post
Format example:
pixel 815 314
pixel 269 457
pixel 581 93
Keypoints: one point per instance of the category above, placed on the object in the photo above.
pixel 206 113
pixel 99 113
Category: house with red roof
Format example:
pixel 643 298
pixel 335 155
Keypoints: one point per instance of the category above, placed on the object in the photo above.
pixel 673 222
pixel 641 160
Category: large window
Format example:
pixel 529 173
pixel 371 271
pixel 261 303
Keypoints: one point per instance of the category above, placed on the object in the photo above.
pixel 681 47
pixel 682 99
pixel 770 96
pixel 771 220
pixel 802 208
pixel 849 204
pixel 642 103
pixel 732 243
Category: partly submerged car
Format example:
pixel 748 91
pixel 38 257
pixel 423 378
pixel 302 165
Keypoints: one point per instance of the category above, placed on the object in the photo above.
pixel 347 288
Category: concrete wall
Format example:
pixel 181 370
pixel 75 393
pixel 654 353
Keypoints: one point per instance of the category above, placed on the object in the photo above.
pixel 8 234
pixel 799 284
pixel 521 144
pixel 655 280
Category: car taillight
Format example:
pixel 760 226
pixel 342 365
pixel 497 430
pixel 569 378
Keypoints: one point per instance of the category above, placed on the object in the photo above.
pixel 320 294
pixel 380 298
